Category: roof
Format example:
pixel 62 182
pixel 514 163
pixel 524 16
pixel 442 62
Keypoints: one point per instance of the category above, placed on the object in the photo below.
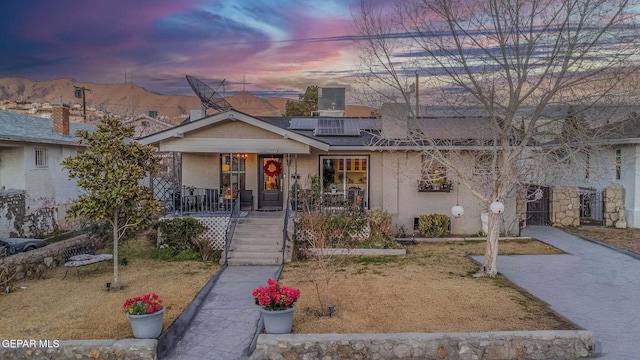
pixel 341 133
pixel 26 128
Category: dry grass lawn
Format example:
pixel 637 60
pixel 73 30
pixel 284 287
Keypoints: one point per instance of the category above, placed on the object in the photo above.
pixel 628 239
pixel 428 290
pixel 81 308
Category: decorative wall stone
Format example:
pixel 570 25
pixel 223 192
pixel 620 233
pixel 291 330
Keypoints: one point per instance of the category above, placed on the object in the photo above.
pixel 561 344
pixel 34 263
pixel 613 202
pixel 112 349
pixel 565 206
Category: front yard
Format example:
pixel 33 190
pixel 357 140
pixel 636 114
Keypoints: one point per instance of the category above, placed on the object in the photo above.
pixel 82 308
pixel 627 239
pixel 428 290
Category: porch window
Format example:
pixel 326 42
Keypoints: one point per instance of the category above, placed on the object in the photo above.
pixel 232 173
pixel 339 174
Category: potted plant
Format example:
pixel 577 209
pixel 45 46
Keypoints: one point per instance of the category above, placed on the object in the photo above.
pixel 333 187
pixel 145 314
pixel 277 306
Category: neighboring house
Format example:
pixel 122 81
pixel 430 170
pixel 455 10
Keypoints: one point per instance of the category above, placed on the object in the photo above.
pixel 614 163
pixel 35 190
pixel 146 125
pixel 267 155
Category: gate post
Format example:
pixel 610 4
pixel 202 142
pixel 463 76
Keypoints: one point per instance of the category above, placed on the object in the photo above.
pixel 613 202
pixel 566 206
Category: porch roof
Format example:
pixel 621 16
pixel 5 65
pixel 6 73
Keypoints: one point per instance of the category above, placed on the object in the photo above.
pixel 291 142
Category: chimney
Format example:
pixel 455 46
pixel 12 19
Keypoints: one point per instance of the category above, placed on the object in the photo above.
pixel 61 119
pixel 197 112
pixel 395 121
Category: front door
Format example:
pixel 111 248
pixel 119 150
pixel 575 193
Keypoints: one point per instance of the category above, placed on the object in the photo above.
pixel 270 182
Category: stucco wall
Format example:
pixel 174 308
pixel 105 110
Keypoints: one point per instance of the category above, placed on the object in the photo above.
pixel 12 168
pixel 201 170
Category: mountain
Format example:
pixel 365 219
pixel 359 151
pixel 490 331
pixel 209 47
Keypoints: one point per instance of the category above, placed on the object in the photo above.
pixel 129 100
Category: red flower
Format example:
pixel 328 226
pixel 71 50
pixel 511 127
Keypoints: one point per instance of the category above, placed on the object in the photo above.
pixel 141 305
pixel 274 296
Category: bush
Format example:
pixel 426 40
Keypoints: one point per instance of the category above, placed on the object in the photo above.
pixel 380 225
pixel 179 233
pixel 168 254
pixel 433 225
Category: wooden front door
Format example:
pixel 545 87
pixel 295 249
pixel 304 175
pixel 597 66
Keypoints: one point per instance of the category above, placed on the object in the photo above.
pixel 270 182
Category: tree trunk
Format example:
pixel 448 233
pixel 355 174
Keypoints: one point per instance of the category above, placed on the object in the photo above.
pixel 489 267
pixel 116 275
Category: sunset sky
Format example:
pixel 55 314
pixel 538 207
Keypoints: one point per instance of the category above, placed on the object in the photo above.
pixel 279 46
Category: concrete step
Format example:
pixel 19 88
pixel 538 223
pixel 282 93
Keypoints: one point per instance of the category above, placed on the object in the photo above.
pixel 255 240
pixel 254 262
pixel 267 248
pixel 261 221
pixel 245 232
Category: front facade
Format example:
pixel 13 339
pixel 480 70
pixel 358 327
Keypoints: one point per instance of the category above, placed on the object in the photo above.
pixel 232 151
pixel 35 190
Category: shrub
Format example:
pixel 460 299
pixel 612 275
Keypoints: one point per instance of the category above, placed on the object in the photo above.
pixel 179 233
pixel 380 225
pixel 433 225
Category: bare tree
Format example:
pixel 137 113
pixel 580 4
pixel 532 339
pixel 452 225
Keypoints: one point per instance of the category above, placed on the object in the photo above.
pixel 513 62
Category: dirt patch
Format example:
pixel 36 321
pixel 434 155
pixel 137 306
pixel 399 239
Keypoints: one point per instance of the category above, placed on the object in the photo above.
pixel 428 290
pixel 628 239
pixel 82 308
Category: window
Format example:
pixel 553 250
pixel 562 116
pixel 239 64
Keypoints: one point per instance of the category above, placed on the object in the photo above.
pixel 41 158
pixel 618 164
pixel 587 166
pixel 232 173
pixel 434 176
pixel 341 173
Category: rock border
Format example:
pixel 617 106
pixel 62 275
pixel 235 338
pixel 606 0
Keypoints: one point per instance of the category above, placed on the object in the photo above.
pixel 547 344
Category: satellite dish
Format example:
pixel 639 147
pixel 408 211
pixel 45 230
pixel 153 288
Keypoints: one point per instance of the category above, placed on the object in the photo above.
pixel 209 97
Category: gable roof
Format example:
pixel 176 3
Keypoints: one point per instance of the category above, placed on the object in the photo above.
pixel 26 128
pixel 234 115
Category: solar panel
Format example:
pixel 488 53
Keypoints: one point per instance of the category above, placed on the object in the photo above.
pixel 336 127
pixel 303 123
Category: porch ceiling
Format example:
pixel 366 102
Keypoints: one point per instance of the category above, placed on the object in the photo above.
pixel 222 145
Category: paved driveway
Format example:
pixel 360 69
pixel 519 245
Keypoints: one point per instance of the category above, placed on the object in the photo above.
pixel 595 287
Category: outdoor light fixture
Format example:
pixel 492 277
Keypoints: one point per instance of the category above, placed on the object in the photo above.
pixel 125 262
pixel 332 309
pixel 108 285
pixel 496 207
pixel 457 211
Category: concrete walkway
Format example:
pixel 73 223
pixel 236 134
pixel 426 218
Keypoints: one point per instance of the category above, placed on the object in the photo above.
pixel 595 287
pixel 225 325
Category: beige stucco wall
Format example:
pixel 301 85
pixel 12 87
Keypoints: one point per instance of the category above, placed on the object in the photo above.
pixel 201 170
pixel 229 129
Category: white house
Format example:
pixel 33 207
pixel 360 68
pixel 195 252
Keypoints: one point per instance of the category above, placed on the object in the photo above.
pixel 35 191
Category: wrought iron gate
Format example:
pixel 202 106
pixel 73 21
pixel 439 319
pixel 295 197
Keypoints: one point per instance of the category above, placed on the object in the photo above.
pixel 591 206
pixel 537 205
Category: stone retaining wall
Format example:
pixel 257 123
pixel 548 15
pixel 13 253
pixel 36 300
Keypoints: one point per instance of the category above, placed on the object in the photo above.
pixel 130 349
pixel 565 344
pixel 34 263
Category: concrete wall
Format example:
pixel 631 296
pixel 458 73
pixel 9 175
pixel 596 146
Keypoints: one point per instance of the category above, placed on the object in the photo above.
pixel 567 344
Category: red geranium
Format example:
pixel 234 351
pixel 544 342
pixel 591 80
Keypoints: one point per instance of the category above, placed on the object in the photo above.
pixel 275 297
pixel 142 305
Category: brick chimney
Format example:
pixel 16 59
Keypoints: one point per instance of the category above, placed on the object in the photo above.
pixel 61 119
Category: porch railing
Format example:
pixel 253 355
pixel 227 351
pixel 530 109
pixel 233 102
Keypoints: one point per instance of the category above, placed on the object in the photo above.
pixel 351 202
pixel 189 200
pixel 231 228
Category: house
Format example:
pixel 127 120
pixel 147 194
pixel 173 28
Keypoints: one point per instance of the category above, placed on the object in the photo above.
pixel 35 191
pixel 145 124
pixel 233 151
pixel 606 179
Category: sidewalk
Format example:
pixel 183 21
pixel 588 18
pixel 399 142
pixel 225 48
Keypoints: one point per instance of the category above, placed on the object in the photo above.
pixel 226 323
pixel 595 287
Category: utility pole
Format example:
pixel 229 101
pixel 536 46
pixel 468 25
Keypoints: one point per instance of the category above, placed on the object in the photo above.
pixel 80 94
